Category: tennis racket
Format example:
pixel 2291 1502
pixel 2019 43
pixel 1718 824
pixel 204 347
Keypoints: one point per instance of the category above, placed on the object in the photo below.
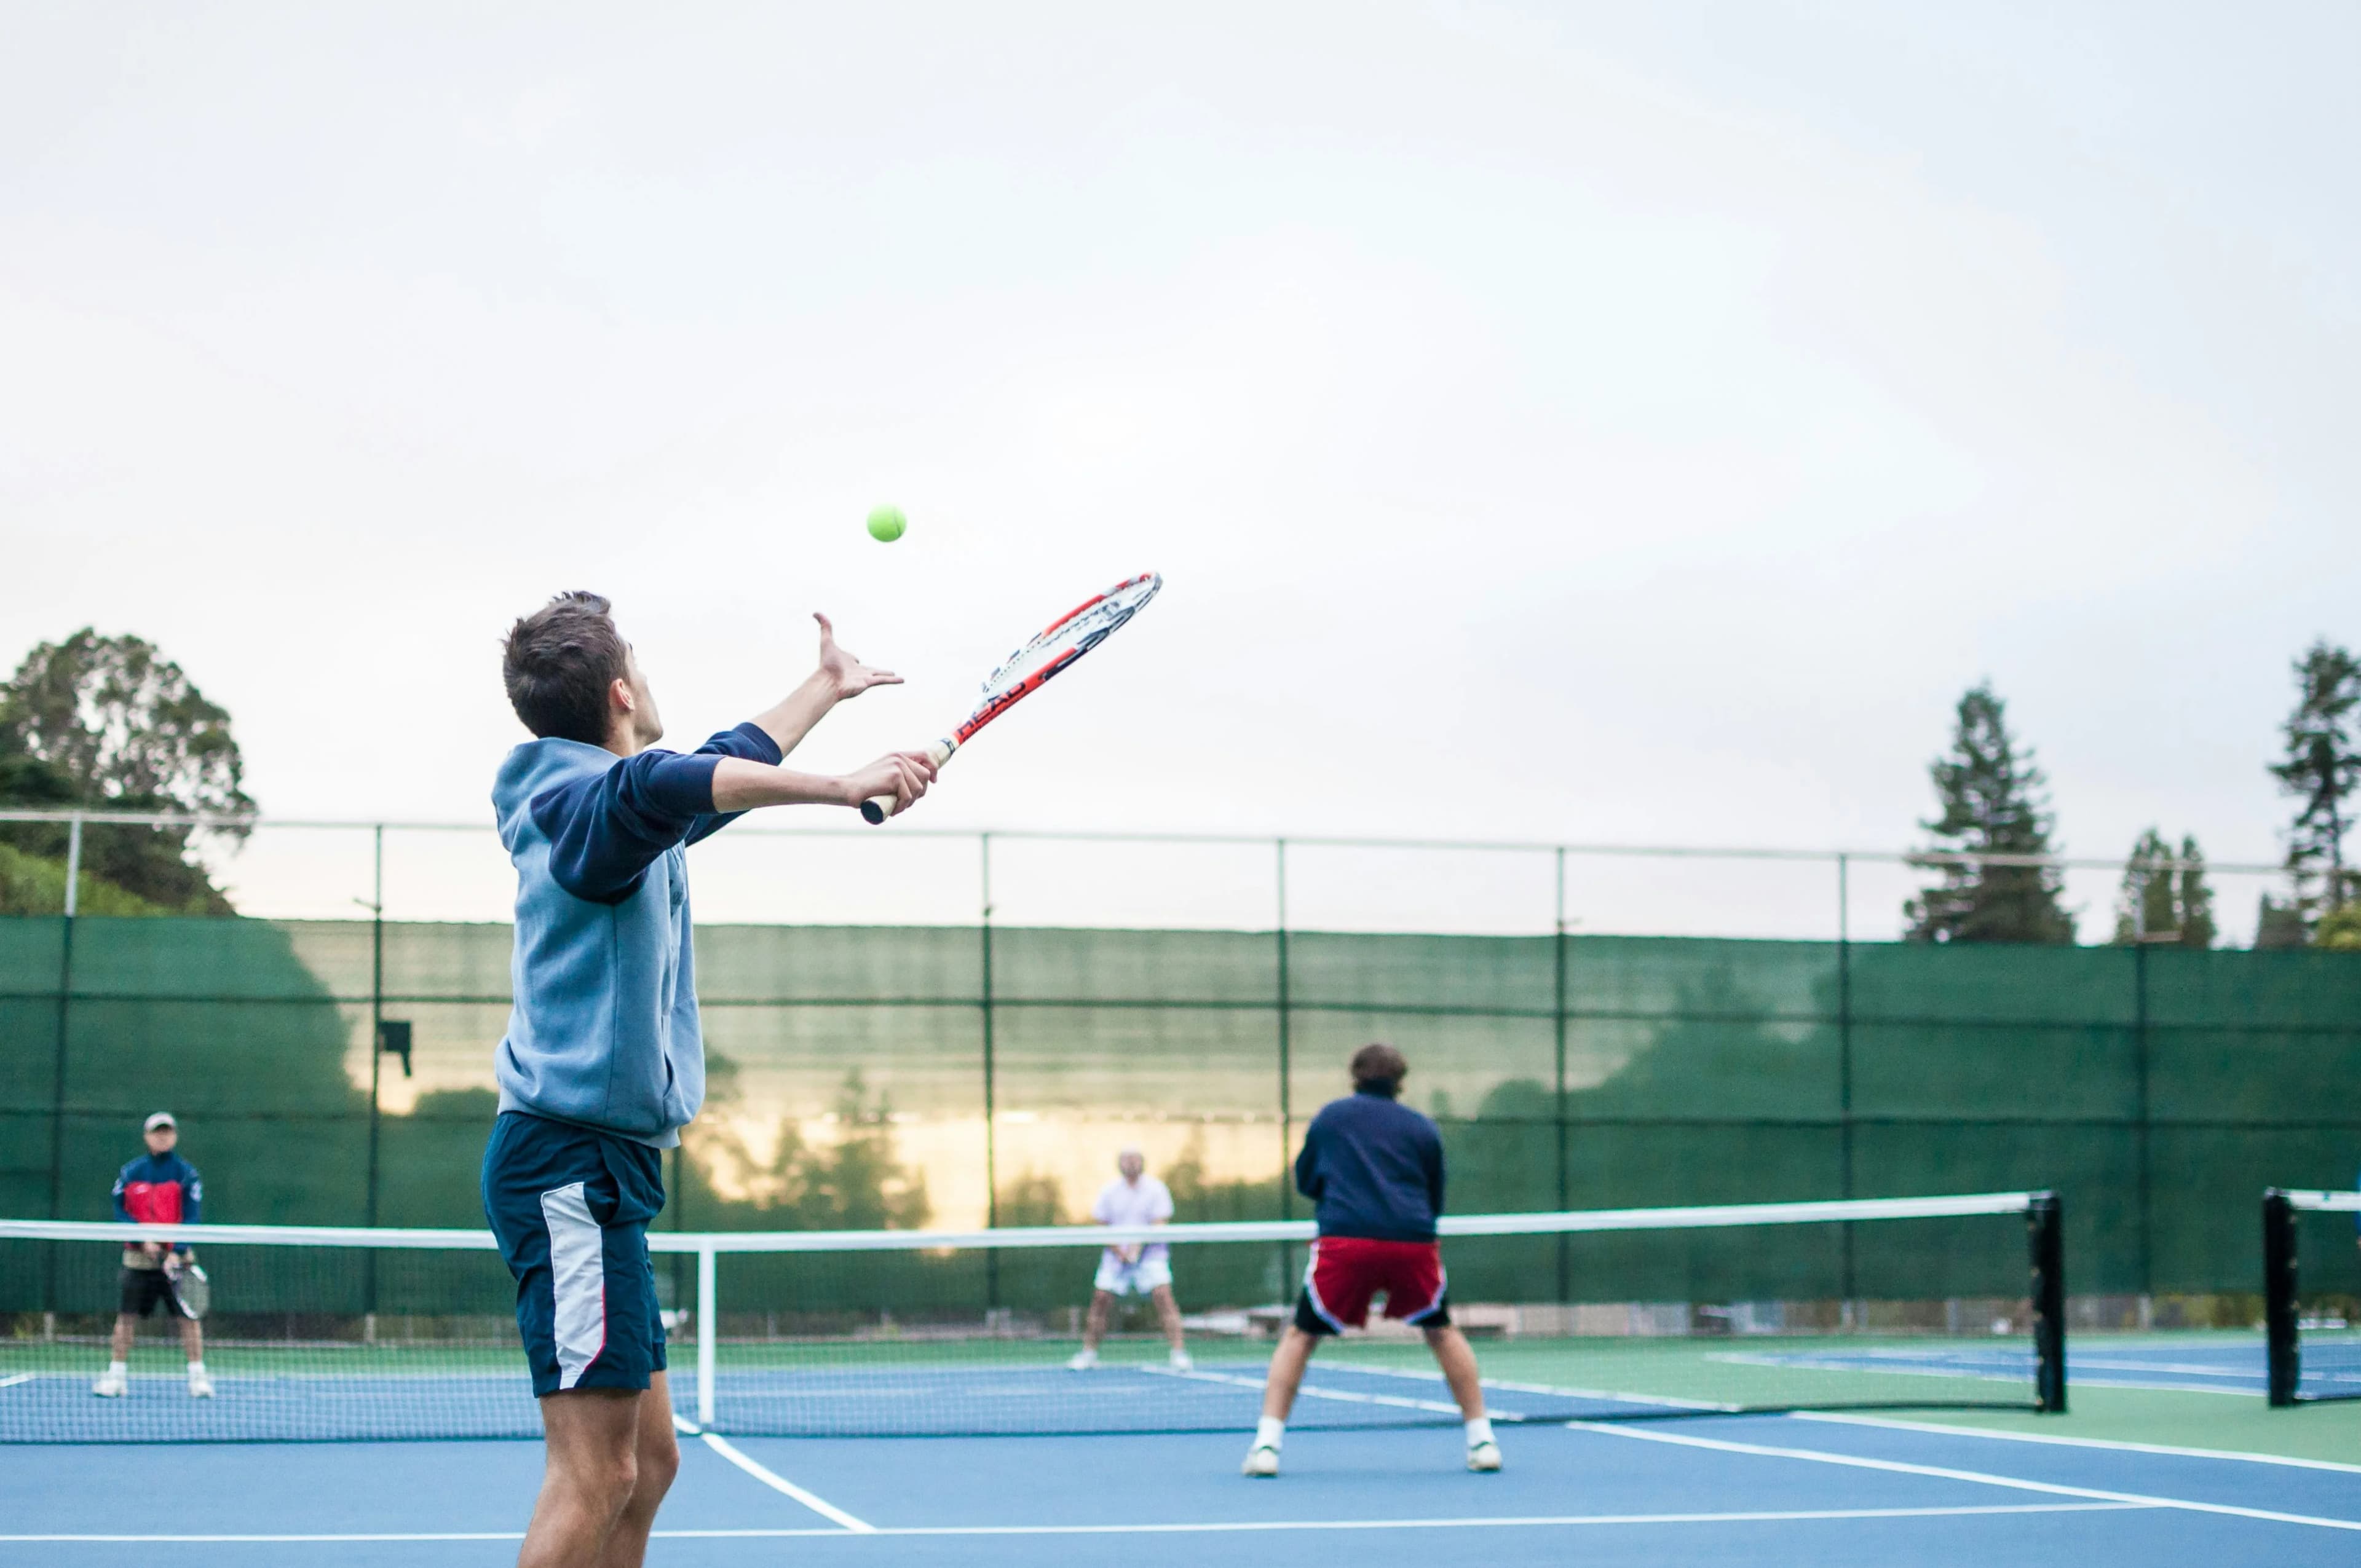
pixel 192 1293
pixel 1023 672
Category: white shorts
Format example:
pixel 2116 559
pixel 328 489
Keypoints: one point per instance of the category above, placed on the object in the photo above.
pixel 1117 1278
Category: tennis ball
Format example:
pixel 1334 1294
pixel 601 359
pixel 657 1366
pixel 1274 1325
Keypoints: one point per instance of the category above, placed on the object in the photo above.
pixel 886 524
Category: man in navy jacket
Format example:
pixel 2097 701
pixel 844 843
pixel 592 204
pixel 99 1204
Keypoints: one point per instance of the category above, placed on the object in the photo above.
pixel 1374 1166
pixel 603 1063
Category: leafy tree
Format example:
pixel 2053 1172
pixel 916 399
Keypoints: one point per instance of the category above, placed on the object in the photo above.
pixel 853 1184
pixel 1992 803
pixel 2158 903
pixel 110 722
pixel 1199 1197
pixel 2340 929
pixel 2322 765
pixel 1033 1199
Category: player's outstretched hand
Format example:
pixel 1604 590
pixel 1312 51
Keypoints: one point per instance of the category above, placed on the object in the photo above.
pixel 851 675
pixel 904 775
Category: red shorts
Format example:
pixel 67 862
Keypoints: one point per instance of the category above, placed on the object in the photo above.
pixel 1347 1271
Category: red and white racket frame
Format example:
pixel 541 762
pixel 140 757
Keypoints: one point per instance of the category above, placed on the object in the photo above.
pixel 1003 688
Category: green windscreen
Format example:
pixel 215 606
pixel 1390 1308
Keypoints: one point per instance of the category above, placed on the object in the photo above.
pixel 2159 1091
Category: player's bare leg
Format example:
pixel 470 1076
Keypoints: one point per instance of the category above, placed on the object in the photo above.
pixel 590 1473
pixel 1453 1354
pixel 115 1381
pixel 193 1344
pixel 1286 1376
pixel 1168 1315
pixel 659 1461
pixel 1287 1365
pixel 1094 1325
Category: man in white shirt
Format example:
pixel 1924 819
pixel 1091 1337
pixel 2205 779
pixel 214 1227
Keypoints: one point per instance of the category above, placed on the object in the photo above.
pixel 1133 1268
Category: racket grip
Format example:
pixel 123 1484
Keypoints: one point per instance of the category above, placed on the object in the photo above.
pixel 878 807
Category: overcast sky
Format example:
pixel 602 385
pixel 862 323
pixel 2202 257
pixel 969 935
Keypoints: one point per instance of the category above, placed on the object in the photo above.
pixel 1609 423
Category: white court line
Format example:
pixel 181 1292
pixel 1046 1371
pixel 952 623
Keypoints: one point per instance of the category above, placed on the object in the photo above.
pixel 2125 1446
pixel 2080 1378
pixel 1558 1390
pixel 1225 1527
pixel 772 1479
pixel 1314 1391
pixel 11 1382
pixel 2173 1368
pixel 2016 1483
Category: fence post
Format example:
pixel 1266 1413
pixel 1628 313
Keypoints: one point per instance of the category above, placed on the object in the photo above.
pixel 1557 1102
pixel 377 1019
pixel 59 1061
pixel 991 1128
pixel 708 1332
pixel 2142 1150
pixel 1848 1282
pixel 376 1059
pixel 1286 1103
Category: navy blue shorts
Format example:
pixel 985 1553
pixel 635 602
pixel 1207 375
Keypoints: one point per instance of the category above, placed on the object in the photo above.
pixel 570 1209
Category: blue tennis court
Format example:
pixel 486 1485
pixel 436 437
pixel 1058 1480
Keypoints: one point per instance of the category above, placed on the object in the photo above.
pixel 1736 1489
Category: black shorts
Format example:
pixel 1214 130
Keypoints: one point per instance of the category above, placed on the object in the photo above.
pixel 143 1291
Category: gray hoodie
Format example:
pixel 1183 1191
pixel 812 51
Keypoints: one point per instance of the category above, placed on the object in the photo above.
pixel 603 1030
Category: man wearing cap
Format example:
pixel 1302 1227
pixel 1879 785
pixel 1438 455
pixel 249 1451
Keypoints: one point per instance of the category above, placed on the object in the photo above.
pixel 160 1188
pixel 1133 1268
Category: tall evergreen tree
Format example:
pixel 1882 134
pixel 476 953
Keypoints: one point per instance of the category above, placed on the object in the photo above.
pixel 2280 925
pixel 2322 765
pixel 2162 901
pixel 1992 801
pixel 2198 929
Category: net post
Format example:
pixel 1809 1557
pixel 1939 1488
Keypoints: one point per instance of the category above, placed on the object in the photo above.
pixel 2283 1353
pixel 708 1332
pixel 2045 1239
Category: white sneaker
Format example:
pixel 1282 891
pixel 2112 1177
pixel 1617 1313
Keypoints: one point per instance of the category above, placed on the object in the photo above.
pixel 201 1387
pixel 111 1384
pixel 1084 1361
pixel 1262 1460
pixel 1483 1457
pixel 1180 1362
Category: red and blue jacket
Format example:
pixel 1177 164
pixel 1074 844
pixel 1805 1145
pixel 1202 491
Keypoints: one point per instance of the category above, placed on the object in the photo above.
pixel 159 1190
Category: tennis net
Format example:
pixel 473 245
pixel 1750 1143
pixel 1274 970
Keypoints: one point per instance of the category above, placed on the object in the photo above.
pixel 2312 1313
pixel 323 1334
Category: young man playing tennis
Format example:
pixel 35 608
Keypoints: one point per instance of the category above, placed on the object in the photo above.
pixel 1133 1268
pixel 603 1065
pixel 1375 1167
pixel 160 1188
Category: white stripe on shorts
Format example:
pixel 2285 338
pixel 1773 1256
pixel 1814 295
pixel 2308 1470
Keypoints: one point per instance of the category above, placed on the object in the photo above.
pixel 577 1279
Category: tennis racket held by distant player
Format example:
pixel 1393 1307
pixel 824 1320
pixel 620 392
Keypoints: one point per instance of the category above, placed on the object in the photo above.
pixel 192 1293
pixel 1025 672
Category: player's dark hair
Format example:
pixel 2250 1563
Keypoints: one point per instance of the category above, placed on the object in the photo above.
pixel 1379 1068
pixel 558 663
